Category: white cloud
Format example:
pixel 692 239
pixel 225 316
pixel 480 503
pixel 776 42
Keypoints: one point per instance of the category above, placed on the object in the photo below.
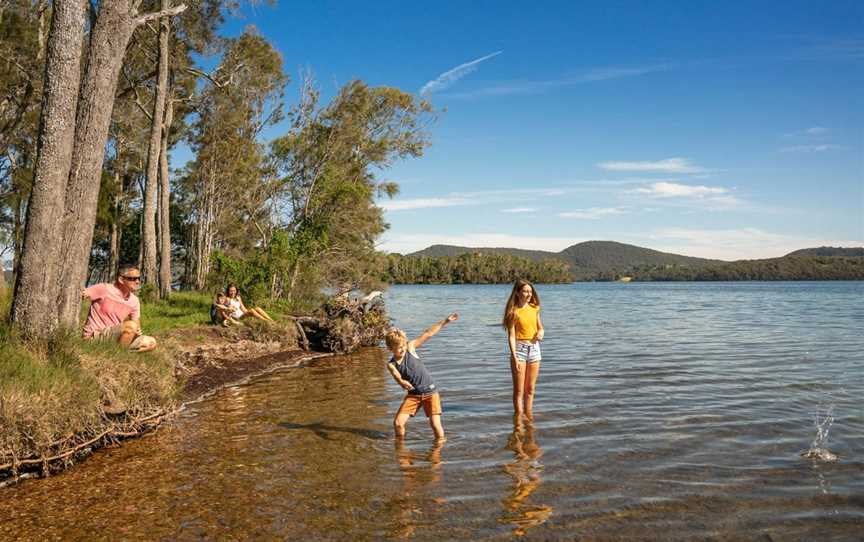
pixel 735 244
pixel 676 190
pixel 536 87
pixel 604 74
pixel 449 78
pixel 407 243
pixel 811 148
pixel 424 203
pixel 481 197
pixel 593 213
pixel 812 132
pixel 669 165
pixel 519 210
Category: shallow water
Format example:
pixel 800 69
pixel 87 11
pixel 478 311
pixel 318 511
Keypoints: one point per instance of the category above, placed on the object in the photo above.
pixel 664 411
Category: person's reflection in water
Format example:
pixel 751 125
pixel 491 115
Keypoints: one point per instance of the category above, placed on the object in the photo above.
pixel 525 471
pixel 419 474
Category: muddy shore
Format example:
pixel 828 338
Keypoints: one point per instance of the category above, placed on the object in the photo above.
pixel 206 360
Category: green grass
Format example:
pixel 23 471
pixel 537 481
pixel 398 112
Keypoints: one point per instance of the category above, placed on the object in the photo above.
pixel 182 309
pixel 185 309
pixel 55 389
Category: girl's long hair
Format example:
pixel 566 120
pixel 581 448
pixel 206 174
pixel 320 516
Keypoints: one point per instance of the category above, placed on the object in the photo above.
pixel 510 308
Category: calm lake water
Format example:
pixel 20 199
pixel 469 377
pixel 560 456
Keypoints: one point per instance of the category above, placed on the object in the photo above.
pixel 667 411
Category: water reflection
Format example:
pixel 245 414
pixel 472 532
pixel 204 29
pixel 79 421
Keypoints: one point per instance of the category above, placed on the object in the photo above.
pixel 526 473
pixel 418 500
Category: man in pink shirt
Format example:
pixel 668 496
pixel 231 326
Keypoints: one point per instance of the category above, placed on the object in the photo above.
pixel 115 312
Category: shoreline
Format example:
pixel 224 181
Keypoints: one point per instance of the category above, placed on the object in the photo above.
pixel 201 370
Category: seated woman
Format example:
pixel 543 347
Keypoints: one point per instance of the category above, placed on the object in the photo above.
pixel 220 311
pixel 238 310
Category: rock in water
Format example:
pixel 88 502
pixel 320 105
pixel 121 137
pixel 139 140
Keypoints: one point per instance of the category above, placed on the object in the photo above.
pixel 820 454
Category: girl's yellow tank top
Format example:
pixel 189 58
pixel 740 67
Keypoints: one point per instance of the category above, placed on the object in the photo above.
pixel 526 322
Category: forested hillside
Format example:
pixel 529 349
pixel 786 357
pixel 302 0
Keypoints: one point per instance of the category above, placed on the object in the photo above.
pixel 608 260
pixel 473 268
pixel 829 251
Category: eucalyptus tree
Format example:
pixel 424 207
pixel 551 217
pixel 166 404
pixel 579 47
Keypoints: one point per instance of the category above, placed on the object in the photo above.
pixel 225 182
pixel 73 130
pixel 328 162
pixel 23 26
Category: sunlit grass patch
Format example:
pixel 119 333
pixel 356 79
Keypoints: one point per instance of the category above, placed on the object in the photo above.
pixel 54 392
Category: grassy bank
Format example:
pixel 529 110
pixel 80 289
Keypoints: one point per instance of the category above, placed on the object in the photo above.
pixel 61 394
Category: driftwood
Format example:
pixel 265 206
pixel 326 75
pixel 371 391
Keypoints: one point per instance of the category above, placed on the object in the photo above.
pixel 344 323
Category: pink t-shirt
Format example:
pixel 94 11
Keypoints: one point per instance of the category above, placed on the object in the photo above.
pixel 109 308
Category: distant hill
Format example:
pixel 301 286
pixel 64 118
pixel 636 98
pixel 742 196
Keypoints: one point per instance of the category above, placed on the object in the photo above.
pixel 451 251
pixel 785 268
pixel 588 259
pixel 609 260
pixel 851 252
pixel 605 256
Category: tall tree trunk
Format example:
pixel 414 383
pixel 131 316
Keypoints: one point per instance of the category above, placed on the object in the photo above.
pixel 148 239
pixel 114 254
pixel 165 207
pixel 295 272
pixel 42 10
pixel 34 305
pixel 108 41
pixel 204 232
pixel 18 233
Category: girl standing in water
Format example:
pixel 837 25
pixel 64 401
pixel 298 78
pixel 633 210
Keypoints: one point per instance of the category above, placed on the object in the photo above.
pixel 524 333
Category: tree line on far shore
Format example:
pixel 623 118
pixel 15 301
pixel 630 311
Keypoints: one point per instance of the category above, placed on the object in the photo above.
pixel 93 98
pixel 500 268
pixel 786 268
pixel 473 268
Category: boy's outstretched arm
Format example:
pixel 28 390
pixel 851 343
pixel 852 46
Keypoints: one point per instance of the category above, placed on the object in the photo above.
pixel 398 378
pixel 434 329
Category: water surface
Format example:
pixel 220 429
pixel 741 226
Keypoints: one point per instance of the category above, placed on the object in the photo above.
pixel 664 411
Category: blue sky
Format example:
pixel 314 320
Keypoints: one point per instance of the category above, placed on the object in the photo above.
pixel 715 129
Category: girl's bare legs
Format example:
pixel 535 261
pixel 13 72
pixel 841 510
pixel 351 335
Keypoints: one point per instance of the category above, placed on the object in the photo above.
pixel 263 314
pixel 437 428
pixel 532 370
pixel 517 371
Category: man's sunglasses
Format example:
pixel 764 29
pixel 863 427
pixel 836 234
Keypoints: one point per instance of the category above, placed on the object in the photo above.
pixel 138 278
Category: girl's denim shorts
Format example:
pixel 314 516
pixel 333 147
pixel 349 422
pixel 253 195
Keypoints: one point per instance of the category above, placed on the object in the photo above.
pixel 528 352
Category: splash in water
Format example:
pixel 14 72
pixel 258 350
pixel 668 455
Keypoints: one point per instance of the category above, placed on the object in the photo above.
pixel 823 426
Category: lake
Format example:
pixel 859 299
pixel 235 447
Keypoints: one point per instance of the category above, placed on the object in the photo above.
pixel 664 411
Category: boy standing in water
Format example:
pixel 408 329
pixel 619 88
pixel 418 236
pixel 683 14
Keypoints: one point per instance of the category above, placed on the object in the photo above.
pixel 410 373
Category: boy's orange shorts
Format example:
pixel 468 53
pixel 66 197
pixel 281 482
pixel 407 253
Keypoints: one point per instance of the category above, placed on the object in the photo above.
pixel 431 403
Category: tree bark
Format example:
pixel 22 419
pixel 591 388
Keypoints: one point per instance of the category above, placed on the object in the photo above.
pixel 204 233
pixel 165 207
pixel 114 254
pixel 36 288
pixel 148 238
pixel 108 40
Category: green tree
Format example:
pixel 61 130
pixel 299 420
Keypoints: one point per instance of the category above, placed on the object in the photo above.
pixel 327 163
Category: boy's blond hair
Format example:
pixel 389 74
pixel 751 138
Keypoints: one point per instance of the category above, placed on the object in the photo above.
pixel 395 337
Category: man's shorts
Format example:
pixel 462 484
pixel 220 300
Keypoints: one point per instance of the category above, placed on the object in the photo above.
pixel 527 351
pixel 431 403
pixel 112 334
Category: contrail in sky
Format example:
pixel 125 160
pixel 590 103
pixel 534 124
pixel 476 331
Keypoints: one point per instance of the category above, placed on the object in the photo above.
pixel 446 79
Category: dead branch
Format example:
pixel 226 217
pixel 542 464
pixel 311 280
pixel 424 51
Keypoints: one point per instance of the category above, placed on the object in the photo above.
pixel 176 10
